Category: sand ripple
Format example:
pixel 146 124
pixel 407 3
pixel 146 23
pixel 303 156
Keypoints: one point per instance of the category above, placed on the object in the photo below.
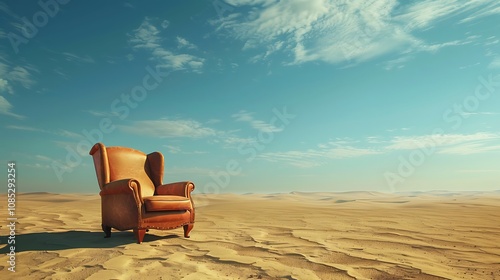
pixel 295 236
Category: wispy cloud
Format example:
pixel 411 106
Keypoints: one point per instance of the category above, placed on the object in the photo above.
pixel 185 44
pixel 147 37
pixel 26 128
pixel 396 63
pixel 59 72
pixel 191 170
pixel 482 8
pixel 101 113
pixel 478 170
pixel 244 116
pixel 6 109
pixel 475 147
pixel 12 75
pixel 318 156
pixel 128 5
pixel 423 14
pixel 451 144
pixel 495 63
pixel 342 31
pixel 173 149
pixel 178 150
pixel 5 86
pixel 438 140
pixel 60 132
pixel 76 58
pixel 69 134
pixel 479 113
pixel 22 75
pixel 169 128
pixel 44 158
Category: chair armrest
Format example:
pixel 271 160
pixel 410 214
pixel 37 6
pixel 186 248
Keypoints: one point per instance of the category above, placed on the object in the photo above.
pixel 124 186
pixel 178 188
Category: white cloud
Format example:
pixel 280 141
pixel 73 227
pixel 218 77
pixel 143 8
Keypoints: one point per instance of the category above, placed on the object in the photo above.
pixel 235 141
pixel 60 132
pixel 437 140
pixel 183 43
pixel 451 144
pixel 470 148
pixel 5 86
pixel 488 8
pixel 59 72
pixel 3 67
pixel 26 128
pixel 178 61
pixel 478 170
pixel 244 116
pixel 22 75
pixel 397 63
pixel 101 113
pixel 213 121
pixel 69 134
pixel 6 108
pixel 165 24
pixel 147 37
pixel 43 158
pixel 423 14
pixel 37 165
pixel 169 128
pixel 75 58
pixel 173 149
pixel 436 47
pixel 15 75
pixel 191 170
pixel 316 157
pixel 495 64
pixel 248 2
pixel 303 159
pixel 341 31
pixel 479 113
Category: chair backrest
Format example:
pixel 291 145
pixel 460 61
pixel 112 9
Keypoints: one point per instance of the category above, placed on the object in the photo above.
pixel 115 163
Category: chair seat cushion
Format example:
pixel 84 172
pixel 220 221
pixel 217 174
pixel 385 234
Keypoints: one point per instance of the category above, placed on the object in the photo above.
pixel 167 203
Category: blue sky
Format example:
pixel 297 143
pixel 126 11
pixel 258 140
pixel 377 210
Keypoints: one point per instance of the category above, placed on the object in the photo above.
pixel 255 95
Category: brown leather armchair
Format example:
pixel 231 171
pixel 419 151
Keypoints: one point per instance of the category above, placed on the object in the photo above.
pixel 133 195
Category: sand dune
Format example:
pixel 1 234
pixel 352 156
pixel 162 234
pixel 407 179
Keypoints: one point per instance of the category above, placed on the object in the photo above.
pixel 355 235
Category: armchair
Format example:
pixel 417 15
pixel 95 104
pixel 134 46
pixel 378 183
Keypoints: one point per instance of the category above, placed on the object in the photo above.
pixel 133 195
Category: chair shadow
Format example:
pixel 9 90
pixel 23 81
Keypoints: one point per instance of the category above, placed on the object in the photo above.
pixel 50 241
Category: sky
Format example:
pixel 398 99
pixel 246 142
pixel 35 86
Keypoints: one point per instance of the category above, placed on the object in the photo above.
pixel 255 96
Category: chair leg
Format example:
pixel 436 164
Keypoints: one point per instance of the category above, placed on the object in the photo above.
pixel 139 234
pixel 187 229
pixel 107 231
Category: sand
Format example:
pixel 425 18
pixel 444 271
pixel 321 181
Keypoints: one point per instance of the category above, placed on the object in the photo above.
pixel 356 235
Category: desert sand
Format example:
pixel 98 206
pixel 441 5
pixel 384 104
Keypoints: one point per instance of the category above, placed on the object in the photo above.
pixel 356 235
